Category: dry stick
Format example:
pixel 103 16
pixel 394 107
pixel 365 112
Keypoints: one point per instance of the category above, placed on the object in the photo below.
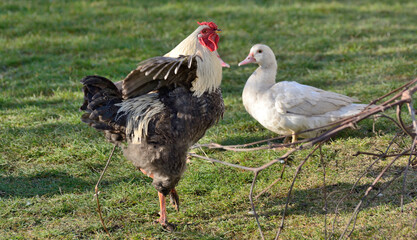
pixel 356 211
pixel 401 123
pixel 387 184
pixel 407 97
pixel 243 147
pixel 393 91
pixel 291 187
pixel 380 156
pixel 390 118
pixel 383 155
pixel 350 192
pixel 97 192
pixel 411 110
pixel 324 193
pixel 272 184
pixel 216 145
pixel 253 205
pixel 381 190
pixel 256 172
pixel 369 167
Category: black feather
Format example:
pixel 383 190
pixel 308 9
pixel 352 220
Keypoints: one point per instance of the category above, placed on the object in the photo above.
pixel 155 73
pixel 100 104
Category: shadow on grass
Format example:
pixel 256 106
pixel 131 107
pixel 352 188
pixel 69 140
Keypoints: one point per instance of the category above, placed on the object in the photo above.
pixel 310 201
pixel 54 182
pixel 45 183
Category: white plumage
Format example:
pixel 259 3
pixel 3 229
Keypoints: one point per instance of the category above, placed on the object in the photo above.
pixel 209 71
pixel 288 108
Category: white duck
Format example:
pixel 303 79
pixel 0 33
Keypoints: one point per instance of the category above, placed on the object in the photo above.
pixel 288 108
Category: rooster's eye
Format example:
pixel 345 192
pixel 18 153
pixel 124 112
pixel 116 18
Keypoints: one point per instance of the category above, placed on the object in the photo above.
pixel 259 51
pixel 204 31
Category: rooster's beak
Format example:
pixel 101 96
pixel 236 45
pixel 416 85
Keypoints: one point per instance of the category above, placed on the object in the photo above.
pixel 218 30
pixel 223 63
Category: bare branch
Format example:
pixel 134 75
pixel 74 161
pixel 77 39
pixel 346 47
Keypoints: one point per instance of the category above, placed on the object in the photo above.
pixel 272 184
pixel 97 192
pixel 291 187
pixel 323 164
pixel 358 206
pixel 253 205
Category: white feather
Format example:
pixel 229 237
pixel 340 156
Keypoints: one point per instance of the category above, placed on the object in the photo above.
pixel 290 107
pixel 139 112
pixel 209 69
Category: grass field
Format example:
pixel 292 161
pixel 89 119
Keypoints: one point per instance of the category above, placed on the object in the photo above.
pixel 50 161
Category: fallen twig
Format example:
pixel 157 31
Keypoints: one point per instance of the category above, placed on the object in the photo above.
pixel 297 171
pixel 97 192
pixel 323 164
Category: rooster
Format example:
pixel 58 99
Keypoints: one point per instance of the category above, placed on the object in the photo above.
pixel 161 109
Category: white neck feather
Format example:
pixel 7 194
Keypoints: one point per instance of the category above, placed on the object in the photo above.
pixel 188 46
pixel 209 70
pixel 263 76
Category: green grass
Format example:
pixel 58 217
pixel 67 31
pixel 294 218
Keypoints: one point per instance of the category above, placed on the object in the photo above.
pixel 50 161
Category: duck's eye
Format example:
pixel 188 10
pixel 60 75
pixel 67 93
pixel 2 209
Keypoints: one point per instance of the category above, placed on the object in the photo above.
pixel 259 51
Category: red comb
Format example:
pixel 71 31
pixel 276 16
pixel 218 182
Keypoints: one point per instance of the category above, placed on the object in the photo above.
pixel 212 25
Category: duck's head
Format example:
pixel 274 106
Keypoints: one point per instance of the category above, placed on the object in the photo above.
pixel 260 54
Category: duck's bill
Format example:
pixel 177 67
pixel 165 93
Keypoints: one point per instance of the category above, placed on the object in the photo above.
pixel 249 59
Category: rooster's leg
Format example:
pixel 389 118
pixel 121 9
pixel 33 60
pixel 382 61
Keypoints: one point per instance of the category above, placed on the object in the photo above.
pixel 163 214
pixel 174 199
pixel 173 195
pixel 163 211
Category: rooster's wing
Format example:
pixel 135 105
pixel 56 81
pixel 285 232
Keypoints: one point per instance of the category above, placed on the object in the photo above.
pixel 158 72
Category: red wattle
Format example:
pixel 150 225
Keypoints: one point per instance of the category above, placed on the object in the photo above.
pixel 210 42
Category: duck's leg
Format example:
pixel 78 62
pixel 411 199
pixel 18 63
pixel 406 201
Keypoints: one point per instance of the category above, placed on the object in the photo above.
pixel 294 137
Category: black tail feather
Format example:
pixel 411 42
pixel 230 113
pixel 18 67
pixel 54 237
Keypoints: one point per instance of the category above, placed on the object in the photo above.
pixel 100 98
